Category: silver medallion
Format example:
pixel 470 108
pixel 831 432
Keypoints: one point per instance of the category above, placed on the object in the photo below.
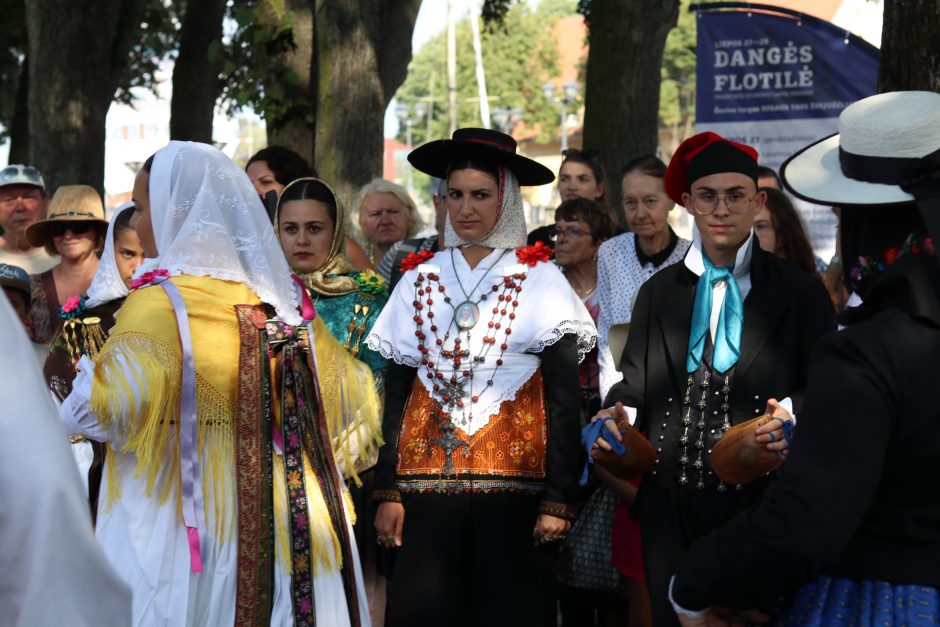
pixel 466 315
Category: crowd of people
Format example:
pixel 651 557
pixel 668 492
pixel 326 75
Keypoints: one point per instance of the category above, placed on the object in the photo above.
pixel 287 411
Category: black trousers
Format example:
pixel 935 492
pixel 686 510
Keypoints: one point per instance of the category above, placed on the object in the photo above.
pixel 468 560
pixel 671 519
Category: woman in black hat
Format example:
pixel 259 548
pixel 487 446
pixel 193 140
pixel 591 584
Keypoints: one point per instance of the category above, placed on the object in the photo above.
pixel 849 533
pixel 479 469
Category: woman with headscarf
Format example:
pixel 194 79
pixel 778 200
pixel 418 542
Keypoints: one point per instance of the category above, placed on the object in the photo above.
pixel 271 169
pixel 310 224
pixel 479 470
pixel 849 533
pixel 222 502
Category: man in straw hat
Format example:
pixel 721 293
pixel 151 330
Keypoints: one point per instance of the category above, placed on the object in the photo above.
pixel 715 341
pixel 853 505
pixel 22 202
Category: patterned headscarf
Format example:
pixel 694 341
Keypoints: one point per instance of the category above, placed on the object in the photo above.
pixel 328 279
pixel 510 228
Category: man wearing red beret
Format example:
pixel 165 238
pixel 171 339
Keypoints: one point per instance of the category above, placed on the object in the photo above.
pixel 714 342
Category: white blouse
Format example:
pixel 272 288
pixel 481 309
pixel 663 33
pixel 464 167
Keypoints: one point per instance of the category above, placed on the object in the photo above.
pixel 547 310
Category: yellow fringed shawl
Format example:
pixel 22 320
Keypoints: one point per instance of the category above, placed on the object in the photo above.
pixel 350 402
pixel 136 390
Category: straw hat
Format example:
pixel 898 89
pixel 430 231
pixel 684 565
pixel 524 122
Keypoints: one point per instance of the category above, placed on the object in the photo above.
pixel 71 203
pixel 885 149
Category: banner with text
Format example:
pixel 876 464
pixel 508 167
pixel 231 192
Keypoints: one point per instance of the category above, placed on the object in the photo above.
pixel 778 83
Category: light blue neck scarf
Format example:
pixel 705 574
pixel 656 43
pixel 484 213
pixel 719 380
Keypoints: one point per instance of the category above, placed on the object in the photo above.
pixel 727 341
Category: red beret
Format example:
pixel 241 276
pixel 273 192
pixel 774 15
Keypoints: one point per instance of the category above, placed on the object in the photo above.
pixel 704 154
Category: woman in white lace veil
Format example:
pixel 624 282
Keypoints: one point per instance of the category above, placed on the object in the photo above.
pixel 184 393
pixel 207 220
pixel 482 414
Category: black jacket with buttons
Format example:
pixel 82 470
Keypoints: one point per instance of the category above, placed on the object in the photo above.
pixel 785 312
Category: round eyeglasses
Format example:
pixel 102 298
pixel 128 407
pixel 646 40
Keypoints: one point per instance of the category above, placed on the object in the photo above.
pixel 735 202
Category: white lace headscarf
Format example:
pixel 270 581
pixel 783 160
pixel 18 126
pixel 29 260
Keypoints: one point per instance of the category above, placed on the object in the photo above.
pixel 209 221
pixel 510 228
pixel 108 284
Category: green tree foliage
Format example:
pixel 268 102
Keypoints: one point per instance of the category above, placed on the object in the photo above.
pixel 252 74
pixel 677 90
pixel 518 56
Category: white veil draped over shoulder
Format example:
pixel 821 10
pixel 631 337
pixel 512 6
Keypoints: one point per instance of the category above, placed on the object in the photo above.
pixel 54 572
pixel 209 221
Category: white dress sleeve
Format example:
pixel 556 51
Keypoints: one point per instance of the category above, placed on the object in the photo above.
pixel 75 412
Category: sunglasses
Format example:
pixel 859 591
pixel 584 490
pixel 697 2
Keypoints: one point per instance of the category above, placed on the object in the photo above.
pixel 13 172
pixel 77 228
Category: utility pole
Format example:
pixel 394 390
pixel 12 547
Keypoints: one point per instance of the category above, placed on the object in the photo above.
pixel 478 53
pixel 452 65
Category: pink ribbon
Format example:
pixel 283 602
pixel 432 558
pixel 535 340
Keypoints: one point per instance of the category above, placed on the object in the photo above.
pixel 307 310
pixel 155 277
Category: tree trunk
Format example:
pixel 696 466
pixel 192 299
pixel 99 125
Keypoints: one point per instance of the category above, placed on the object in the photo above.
pixel 295 129
pixel 78 52
pixel 19 123
pixel 363 52
pixel 621 99
pixel 195 74
pixel 910 46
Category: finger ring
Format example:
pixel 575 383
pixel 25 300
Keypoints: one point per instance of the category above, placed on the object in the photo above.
pixel 380 541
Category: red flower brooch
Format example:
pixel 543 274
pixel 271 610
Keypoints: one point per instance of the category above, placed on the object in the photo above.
pixel 413 260
pixel 531 255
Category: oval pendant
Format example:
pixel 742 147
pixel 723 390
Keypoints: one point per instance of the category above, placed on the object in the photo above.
pixel 466 315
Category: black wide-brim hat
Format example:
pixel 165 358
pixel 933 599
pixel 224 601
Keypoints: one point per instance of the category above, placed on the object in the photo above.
pixel 487 145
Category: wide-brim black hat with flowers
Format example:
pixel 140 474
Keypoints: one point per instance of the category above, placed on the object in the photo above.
pixel 487 145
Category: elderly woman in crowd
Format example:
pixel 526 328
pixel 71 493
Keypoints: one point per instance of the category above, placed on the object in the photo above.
pixel 625 262
pixel 271 169
pixel 387 214
pixel 75 231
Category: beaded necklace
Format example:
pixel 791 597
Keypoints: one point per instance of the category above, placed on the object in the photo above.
pixel 452 371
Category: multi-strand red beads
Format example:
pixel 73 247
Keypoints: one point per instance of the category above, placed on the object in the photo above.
pixel 503 315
